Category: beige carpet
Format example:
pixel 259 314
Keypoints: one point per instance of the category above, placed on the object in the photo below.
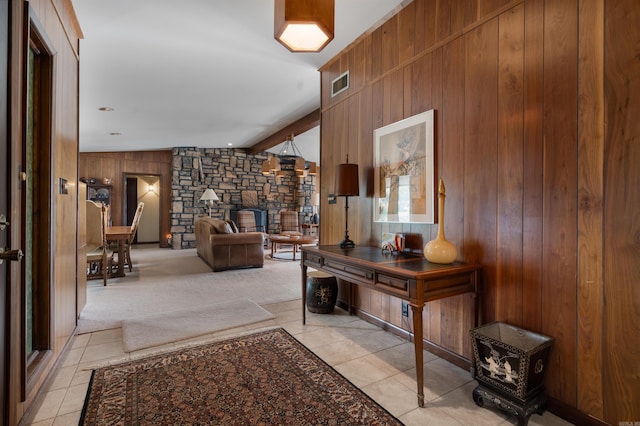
pixel 165 280
pixel 155 330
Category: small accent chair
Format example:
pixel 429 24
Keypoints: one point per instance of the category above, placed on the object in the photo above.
pixel 99 256
pixel 289 223
pixel 247 221
pixel 134 230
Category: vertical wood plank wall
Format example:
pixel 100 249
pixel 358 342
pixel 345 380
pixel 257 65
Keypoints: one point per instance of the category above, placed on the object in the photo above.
pixel 539 190
pixel 621 198
pixel 115 164
pixel 61 27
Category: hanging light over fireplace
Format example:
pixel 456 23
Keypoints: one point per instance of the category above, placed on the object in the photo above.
pixel 289 154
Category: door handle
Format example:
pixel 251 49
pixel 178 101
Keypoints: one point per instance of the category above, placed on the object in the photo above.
pixel 15 255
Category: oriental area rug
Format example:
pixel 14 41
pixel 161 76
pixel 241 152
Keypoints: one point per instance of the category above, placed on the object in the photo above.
pixel 263 378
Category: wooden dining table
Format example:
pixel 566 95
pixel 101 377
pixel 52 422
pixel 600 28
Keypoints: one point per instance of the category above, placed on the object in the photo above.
pixel 119 235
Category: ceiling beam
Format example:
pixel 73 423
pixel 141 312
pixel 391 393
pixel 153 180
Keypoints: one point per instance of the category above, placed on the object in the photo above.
pixel 304 124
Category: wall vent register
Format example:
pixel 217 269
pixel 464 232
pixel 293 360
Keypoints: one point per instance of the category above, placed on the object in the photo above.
pixel 340 84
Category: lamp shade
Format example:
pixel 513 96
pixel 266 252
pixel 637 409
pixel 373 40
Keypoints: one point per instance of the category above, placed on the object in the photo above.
pixel 313 168
pixel 299 164
pixel 209 195
pixel 274 164
pixel 347 180
pixel 304 26
pixel 266 167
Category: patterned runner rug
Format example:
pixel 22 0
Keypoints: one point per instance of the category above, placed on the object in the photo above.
pixel 263 378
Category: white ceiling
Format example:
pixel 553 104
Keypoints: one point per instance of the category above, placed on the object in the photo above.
pixel 204 73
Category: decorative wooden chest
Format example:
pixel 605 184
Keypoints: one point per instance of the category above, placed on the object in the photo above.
pixel 510 359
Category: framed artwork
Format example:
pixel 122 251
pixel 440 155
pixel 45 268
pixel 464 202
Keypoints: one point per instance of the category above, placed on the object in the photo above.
pixel 404 174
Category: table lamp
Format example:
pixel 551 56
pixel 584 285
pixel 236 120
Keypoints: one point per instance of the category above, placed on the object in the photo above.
pixel 347 185
pixel 209 197
pixel 315 203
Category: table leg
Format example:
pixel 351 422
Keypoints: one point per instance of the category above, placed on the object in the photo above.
pixel 273 246
pixel 417 346
pixel 295 247
pixel 477 320
pixel 304 291
pixel 120 272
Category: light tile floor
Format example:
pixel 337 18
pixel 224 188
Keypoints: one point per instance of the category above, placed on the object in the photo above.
pixel 378 362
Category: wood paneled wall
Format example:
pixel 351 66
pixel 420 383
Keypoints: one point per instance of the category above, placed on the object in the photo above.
pixel 58 21
pixel 539 190
pixel 116 165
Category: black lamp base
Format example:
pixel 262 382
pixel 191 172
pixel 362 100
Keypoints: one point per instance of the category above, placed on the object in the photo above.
pixel 346 243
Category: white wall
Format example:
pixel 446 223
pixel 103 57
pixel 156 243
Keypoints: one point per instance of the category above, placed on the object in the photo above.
pixel 149 227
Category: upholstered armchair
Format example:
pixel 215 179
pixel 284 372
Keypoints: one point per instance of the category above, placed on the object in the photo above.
pixel 289 223
pixel 219 243
pixel 247 221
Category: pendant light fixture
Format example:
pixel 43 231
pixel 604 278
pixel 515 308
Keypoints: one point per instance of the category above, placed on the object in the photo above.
pixel 289 155
pixel 304 25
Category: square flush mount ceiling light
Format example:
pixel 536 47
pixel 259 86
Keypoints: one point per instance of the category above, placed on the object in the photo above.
pixel 304 26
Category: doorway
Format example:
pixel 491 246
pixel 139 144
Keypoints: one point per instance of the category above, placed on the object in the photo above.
pixel 146 189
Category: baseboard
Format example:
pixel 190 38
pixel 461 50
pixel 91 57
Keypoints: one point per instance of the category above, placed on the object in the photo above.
pixel 559 408
pixel 571 414
pixel 437 350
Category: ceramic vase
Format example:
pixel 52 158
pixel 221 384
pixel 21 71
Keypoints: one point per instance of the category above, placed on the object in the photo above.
pixel 440 250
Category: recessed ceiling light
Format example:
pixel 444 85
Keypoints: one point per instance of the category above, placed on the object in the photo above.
pixel 229 144
pixel 107 109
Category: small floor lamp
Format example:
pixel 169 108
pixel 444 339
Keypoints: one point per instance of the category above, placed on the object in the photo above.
pixel 209 197
pixel 347 185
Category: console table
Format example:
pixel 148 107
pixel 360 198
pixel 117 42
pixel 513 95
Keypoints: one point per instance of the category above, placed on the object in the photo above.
pixel 405 276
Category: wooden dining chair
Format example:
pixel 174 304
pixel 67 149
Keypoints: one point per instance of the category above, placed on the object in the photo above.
pixel 134 230
pixel 99 255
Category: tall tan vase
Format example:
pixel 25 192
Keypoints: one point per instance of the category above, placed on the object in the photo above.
pixel 440 250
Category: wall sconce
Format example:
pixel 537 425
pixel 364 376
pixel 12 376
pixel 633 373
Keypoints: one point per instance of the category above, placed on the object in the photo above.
pixel 304 26
pixel 151 188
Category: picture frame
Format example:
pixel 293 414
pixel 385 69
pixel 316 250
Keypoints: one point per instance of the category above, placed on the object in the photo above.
pixel 404 170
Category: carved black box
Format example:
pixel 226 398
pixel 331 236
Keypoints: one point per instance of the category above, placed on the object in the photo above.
pixel 510 359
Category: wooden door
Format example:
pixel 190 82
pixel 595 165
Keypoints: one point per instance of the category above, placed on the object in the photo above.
pixel 4 191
